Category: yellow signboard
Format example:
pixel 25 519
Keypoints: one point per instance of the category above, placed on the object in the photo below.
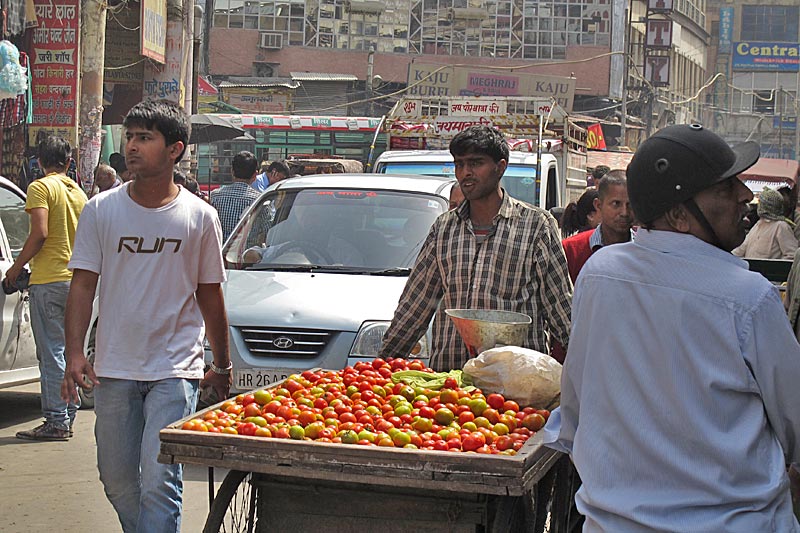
pixel 154 30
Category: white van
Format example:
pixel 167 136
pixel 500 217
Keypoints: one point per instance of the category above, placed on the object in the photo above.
pixel 520 179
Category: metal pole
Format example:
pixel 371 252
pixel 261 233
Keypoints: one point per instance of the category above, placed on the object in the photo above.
pixel 209 11
pixel 196 33
pixel 626 47
pixel 543 184
pixel 779 109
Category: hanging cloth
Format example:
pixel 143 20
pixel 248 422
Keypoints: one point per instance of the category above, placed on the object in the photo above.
pixel 14 111
pixel 13 76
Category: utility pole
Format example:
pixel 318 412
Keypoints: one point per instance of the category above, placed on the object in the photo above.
pixel 779 109
pixel 90 122
pixel 626 47
pixel 196 33
pixel 370 86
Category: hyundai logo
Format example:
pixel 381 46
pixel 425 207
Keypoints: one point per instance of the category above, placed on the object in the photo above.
pixel 284 343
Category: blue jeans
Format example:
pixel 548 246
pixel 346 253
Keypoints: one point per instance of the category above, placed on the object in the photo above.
pixel 48 302
pixel 147 495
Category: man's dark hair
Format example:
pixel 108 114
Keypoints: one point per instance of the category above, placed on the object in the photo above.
pixel 117 162
pixel 607 181
pixel 192 186
pixel 280 166
pixel 168 118
pixel 244 165
pixel 599 171
pixel 179 177
pixel 789 199
pixel 480 140
pixel 54 152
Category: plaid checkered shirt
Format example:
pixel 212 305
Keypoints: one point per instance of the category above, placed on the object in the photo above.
pixel 231 201
pixel 520 267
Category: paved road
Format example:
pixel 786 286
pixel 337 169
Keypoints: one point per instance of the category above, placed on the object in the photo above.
pixel 54 487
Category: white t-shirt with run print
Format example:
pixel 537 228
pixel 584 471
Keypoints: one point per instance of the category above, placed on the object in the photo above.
pixel 150 263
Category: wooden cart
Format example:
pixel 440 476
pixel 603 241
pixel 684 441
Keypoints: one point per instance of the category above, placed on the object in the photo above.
pixel 287 485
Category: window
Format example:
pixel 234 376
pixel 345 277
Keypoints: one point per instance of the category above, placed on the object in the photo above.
pixel 764 102
pixel 770 23
pixel 14 219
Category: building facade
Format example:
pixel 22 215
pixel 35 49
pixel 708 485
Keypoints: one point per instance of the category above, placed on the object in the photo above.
pixel 756 56
pixel 588 41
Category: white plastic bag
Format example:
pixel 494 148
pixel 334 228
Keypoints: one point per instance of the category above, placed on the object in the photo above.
pixel 526 376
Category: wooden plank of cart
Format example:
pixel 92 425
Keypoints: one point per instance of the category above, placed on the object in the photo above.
pixel 285 485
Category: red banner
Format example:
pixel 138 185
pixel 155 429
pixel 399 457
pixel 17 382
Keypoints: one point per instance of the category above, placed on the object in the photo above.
pixel 594 137
pixel 54 68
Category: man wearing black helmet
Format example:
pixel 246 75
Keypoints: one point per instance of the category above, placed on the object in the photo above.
pixel 679 400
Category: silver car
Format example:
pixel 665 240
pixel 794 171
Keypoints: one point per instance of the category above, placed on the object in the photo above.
pixel 18 362
pixel 316 267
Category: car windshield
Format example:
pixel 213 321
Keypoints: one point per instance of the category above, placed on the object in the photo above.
pixel 519 180
pixel 336 229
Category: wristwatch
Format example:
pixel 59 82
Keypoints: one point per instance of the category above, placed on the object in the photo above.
pixel 222 371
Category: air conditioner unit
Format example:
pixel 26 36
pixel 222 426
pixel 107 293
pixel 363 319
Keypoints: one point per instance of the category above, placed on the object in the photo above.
pixel 272 41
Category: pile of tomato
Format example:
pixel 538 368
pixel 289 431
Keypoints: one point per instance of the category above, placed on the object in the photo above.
pixel 361 405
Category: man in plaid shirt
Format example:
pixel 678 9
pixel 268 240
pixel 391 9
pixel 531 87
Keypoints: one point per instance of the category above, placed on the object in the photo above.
pixel 233 199
pixel 493 252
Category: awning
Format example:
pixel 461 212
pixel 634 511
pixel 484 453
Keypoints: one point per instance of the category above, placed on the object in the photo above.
pixel 772 171
pixel 613 160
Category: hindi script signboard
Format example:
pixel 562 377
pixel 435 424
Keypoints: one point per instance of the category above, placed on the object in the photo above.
pixel 54 69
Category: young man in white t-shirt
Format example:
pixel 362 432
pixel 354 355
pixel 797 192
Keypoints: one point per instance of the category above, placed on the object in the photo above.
pixel 156 249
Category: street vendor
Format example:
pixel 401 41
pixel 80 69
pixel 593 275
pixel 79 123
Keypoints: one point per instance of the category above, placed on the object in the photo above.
pixel 491 253
pixel 679 396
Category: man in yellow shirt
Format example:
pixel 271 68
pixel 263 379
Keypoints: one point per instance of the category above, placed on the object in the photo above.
pixel 54 204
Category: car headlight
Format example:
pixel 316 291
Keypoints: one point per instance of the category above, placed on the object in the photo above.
pixel 370 339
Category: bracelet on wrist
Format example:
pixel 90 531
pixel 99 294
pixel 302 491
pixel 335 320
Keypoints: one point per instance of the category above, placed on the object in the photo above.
pixel 221 371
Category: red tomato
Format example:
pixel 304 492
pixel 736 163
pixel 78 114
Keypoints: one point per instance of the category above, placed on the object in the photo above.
pixel 510 405
pixel 347 417
pixel 503 443
pixel 450 383
pixel 426 411
pixel 466 416
pixel 440 445
pixel 495 401
pixel 248 428
pixel 252 409
pixel 473 441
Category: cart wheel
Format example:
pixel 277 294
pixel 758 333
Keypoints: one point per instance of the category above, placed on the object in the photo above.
pixel 234 508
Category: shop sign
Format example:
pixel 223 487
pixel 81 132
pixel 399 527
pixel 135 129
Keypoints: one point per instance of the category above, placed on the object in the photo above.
pixel 748 55
pixel 122 62
pixel 154 30
pixel 659 33
pixel 431 80
pixel 725 29
pixel 656 70
pixel 594 137
pixel 257 100
pixel 166 81
pixel 54 68
pixel 784 123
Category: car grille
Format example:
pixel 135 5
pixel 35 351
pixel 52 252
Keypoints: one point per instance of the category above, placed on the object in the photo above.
pixel 285 342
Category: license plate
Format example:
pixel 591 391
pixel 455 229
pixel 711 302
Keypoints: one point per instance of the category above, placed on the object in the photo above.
pixel 257 378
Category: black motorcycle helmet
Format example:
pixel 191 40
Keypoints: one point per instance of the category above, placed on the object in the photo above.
pixel 679 161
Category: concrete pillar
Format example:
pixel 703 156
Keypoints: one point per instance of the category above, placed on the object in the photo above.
pixel 90 122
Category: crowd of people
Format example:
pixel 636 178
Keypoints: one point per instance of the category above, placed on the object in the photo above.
pixel 678 405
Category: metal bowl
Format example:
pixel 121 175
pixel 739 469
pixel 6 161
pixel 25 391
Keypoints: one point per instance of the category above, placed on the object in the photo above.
pixel 483 329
